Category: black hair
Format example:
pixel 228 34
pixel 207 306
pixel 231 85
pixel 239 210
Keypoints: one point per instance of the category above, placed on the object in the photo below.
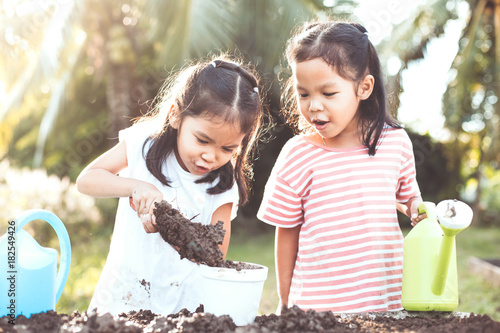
pixel 220 89
pixel 346 48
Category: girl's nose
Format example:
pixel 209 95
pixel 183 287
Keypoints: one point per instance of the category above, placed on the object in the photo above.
pixel 208 157
pixel 315 106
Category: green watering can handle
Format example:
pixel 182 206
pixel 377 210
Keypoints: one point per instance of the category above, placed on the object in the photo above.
pixel 64 243
pixel 429 208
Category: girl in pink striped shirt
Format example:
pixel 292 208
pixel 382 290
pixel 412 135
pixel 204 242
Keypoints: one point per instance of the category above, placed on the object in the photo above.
pixel 335 189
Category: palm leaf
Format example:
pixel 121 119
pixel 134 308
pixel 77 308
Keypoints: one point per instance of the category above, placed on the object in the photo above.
pixel 46 64
pixel 410 38
pixel 189 28
pixel 50 116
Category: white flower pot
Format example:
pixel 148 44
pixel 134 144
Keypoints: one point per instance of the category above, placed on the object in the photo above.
pixel 231 292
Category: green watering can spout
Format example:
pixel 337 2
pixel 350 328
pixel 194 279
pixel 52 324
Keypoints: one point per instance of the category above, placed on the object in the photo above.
pixel 453 216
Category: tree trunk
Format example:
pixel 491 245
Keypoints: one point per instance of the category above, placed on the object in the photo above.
pixel 119 90
pixel 476 205
pixel 494 154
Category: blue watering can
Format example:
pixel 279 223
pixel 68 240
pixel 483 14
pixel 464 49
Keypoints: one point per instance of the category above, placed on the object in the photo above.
pixel 29 280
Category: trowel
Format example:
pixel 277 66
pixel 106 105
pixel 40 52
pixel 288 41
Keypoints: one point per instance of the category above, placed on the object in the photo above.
pixel 429 261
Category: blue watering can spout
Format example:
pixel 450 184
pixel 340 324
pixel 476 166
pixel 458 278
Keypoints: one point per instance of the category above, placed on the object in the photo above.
pixel 30 282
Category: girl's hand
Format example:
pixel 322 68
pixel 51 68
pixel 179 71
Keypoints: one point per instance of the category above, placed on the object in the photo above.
pixel 415 216
pixel 149 223
pixel 143 198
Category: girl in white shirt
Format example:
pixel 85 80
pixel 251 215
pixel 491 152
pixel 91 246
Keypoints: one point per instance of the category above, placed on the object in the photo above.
pixel 191 150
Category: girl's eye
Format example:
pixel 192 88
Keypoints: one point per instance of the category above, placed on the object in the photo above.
pixel 303 95
pixel 228 150
pixel 329 94
pixel 201 141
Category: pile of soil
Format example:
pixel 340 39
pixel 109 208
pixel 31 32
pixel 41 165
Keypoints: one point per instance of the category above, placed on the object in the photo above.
pixel 291 320
pixel 194 241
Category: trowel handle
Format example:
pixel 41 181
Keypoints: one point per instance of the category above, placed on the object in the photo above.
pixel 64 242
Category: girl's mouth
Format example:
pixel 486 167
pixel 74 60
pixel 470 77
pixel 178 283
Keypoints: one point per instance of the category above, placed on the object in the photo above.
pixel 201 169
pixel 320 124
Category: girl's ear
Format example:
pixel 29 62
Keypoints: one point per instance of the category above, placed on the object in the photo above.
pixel 365 87
pixel 173 116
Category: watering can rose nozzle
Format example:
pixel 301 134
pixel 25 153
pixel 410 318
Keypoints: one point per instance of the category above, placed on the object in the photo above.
pixel 454 216
pixel 450 210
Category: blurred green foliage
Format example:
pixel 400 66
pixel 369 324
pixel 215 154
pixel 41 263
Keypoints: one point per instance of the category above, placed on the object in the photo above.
pixel 23 189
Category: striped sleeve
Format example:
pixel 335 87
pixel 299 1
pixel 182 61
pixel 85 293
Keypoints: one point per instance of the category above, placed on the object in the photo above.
pixel 281 205
pixel 407 185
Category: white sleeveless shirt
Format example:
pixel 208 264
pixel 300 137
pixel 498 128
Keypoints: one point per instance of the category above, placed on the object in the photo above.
pixel 142 271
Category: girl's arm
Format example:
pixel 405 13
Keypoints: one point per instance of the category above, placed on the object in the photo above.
pixel 100 179
pixel 410 209
pixel 287 245
pixel 223 213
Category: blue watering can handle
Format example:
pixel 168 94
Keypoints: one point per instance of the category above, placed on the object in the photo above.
pixel 64 243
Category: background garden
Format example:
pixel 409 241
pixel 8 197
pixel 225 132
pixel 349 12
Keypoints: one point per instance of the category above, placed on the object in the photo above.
pixel 73 73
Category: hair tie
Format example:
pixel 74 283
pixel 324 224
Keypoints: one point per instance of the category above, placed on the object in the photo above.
pixel 256 89
pixel 213 64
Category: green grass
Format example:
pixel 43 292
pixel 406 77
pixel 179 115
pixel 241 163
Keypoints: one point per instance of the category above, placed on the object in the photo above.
pixel 476 295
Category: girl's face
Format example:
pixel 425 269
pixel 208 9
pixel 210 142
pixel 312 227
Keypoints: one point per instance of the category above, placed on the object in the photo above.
pixel 329 102
pixel 204 145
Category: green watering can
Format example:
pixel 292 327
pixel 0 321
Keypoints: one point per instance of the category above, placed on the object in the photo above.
pixel 429 259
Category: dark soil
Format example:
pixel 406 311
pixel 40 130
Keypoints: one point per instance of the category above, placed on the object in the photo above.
pixel 291 320
pixel 194 241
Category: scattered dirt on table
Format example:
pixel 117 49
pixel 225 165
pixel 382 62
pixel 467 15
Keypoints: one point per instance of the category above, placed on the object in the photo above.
pixel 192 240
pixel 291 320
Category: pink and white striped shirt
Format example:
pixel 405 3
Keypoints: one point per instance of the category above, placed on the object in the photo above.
pixel 350 254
